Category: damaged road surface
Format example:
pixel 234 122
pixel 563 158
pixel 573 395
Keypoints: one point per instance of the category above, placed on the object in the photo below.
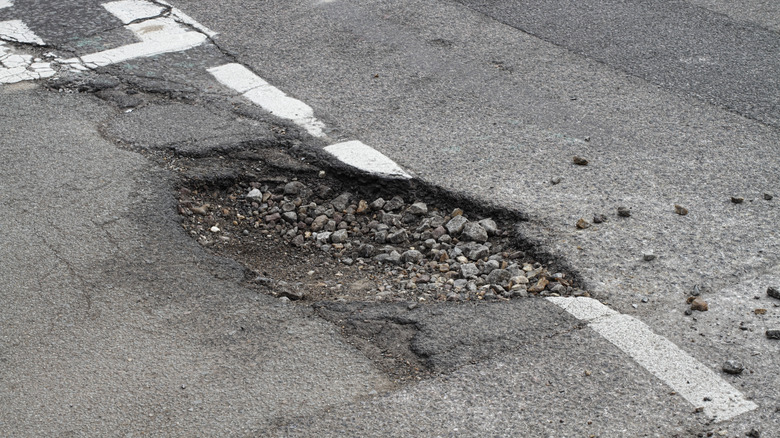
pixel 189 250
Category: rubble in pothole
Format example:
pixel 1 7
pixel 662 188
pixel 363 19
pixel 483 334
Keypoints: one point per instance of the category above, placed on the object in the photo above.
pixel 307 240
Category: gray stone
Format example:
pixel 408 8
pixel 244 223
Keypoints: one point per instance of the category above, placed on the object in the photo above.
pixel 339 236
pixel 469 270
pixel 490 226
pixel 319 222
pixel 418 209
pixel 254 195
pixel 293 188
pixel 366 250
pixel 490 266
pixel 474 232
pixel 623 212
pixel 392 258
pixel 394 204
pixel 499 276
pixel 398 237
pixel 378 204
pixel 341 202
pixel 290 217
pixel 475 251
pixel 773 333
pixel 733 367
pixel 323 237
pixel 773 292
pixel 456 224
pixel 412 256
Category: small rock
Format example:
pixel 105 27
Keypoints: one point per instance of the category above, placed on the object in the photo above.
pixel 499 276
pixel 319 222
pixel 393 258
pixel 469 270
pixel 539 286
pixel 773 333
pixel 298 240
pixel 648 257
pixel 362 207
pixel 378 204
pixel 490 226
pixel 293 188
pixel 341 202
pixel 214 229
pixel 456 224
pixel 773 292
pixel 679 209
pixel 366 250
pixel 474 232
pixel 624 212
pixel 556 180
pixel 699 304
pixel 418 209
pixel 290 217
pixel 754 433
pixel 579 161
pixel 412 256
pixel 394 204
pixel 293 294
pixel 254 195
pixel 339 236
pixel 599 218
pixel 737 199
pixel 582 224
pixel 768 197
pixel 398 237
pixel 759 311
pixel 733 367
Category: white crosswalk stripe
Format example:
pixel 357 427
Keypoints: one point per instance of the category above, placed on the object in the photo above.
pixel 6 4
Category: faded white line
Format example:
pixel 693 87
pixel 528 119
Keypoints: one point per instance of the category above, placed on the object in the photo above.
pixel 157 35
pixel 270 98
pixel 6 4
pixel 690 378
pixel 17 31
pixel 361 156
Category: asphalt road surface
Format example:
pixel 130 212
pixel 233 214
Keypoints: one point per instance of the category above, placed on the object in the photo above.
pixel 671 103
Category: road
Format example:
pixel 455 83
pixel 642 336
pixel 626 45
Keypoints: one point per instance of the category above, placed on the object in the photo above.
pixel 672 103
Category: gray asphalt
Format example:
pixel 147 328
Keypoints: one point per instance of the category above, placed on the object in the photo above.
pixel 111 309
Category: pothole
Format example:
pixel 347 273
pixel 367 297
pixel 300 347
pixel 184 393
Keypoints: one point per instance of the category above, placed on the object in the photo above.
pixel 304 234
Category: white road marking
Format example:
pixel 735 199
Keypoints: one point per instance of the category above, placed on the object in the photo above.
pixel 181 17
pixel 270 98
pixel 17 67
pixel 361 156
pixel 6 4
pixel 157 35
pixel 690 378
pixel 17 31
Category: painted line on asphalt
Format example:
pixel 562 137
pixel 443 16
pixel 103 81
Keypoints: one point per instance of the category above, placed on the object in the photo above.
pixel 6 4
pixel 693 380
pixel 17 31
pixel 17 67
pixel 270 98
pixel 254 88
pixel 361 156
pixel 158 35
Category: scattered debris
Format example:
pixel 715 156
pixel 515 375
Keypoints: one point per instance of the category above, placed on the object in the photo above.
pixel 754 433
pixel 624 212
pixel 679 209
pixel 648 257
pixel 768 197
pixel 580 161
pixel 773 333
pixel 699 304
pixel 733 367
pixel 773 292
pixel 737 200
pixel 556 180
pixel 760 311
pixel 582 224
pixel 599 218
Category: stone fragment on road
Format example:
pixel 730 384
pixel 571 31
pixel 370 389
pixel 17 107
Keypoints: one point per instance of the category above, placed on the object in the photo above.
pixel 624 212
pixel 733 367
pixel 490 226
pixel 539 286
pixel 773 333
pixel 418 209
pixel 679 209
pixel 474 232
pixel 582 224
pixel 737 200
pixel 699 304
pixel 773 292
pixel 768 197
pixel 579 161
pixel 648 257
pixel 556 180
pixel 456 224
pixel 599 218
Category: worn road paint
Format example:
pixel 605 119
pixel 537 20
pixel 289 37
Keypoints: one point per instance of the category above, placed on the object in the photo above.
pixel 270 98
pixel 17 31
pixel 6 4
pixel 17 67
pixel 690 378
pixel 361 156
pixel 157 35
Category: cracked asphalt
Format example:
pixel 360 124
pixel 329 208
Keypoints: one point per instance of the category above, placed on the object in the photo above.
pixel 116 323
